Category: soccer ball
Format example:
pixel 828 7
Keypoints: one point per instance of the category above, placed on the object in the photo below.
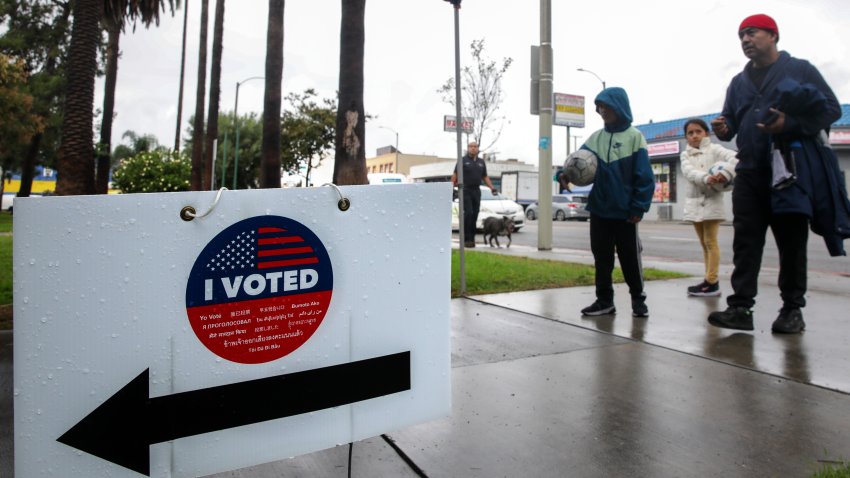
pixel 580 167
pixel 719 167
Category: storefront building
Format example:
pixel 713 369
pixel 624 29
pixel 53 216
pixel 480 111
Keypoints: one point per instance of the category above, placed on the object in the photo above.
pixel 666 141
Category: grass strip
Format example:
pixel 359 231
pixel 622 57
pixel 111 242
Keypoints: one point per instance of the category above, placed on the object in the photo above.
pixel 491 273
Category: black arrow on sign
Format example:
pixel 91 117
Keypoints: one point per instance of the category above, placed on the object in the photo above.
pixel 123 427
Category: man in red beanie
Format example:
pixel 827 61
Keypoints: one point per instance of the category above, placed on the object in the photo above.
pixel 755 112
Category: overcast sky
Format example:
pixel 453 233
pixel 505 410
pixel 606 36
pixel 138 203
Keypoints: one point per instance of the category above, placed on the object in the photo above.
pixel 674 59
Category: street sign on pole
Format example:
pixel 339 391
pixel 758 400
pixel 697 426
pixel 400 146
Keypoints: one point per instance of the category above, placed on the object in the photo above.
pixel 569 110
pixel 147 344
pixel 450 124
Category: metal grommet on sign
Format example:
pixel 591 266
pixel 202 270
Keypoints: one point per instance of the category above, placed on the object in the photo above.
pixel 188 212
pixel 344 203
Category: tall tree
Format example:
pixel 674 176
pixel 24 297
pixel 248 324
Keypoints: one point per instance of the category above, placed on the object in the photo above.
pixel 481 87
pixel 18 124
pixel 200 95
pixel 38 32
pixel 182 77
pixel 102 166
pixel 270 170
pixel 114 23
pixel 215 93
pixel 350 158
pixel 76 150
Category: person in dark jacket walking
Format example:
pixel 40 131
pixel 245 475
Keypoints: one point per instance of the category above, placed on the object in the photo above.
pixel 622 193
pixel 754 111
pixel 474 172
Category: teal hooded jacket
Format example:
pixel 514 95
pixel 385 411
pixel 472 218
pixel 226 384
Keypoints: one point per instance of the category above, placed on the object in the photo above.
pixel 624 182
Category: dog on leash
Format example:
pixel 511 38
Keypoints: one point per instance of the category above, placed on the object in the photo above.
pixel 498 226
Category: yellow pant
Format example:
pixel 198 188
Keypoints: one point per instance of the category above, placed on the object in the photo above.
pixel 707 233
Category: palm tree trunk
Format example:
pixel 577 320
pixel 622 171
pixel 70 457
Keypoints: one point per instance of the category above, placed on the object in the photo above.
pixel 182 77
pixel 28 166
pixel 350 158
pixel 215 93
pixel 104 150
pixel 198 128
pixel 270 163
pixel 76 151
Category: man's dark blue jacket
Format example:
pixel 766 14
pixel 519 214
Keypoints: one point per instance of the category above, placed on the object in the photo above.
pixel 796 88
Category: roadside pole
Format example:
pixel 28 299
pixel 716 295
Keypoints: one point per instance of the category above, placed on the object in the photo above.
pixel 544 233
pixel 460 183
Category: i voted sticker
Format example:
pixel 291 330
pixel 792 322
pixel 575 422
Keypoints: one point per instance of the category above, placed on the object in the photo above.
pixel 259 289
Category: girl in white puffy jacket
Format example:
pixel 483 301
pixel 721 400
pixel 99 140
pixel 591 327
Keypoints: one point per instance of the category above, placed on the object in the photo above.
pixel 704 196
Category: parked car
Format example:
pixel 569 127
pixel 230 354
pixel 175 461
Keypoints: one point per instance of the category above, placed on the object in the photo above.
pixel 492 205
pixel 564 206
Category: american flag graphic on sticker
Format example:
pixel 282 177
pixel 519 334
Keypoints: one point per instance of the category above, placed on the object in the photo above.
pixel 259 289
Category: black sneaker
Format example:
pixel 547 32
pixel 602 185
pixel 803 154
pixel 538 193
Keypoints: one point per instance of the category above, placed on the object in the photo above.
pixel 704 289
pixel 599 308
pixel 639 309
pixel 789 321
pixel 469 244
pixel 739 318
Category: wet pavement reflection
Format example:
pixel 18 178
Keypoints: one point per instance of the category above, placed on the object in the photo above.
pixel 678 322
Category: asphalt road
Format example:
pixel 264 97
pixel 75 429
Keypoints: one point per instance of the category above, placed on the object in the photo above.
pixel 676 241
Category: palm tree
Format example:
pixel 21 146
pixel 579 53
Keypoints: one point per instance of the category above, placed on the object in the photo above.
pixel 104 149
pixel 76 151
pixel 182 77
pixel 114 24
pixel 198 127
pixel 270 165
pixel 215 93
pixel 350 159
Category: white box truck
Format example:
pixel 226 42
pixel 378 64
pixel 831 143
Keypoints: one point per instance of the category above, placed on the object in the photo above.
pixel 523 186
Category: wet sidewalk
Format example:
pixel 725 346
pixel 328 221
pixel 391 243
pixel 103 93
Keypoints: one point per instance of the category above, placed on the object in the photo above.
pixel 539 391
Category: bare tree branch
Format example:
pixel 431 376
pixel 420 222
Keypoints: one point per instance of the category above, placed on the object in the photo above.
pixel 481 93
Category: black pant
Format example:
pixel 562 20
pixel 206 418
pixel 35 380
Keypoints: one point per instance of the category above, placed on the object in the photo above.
pixel 606 237
pixel 753 215
pixel 471 206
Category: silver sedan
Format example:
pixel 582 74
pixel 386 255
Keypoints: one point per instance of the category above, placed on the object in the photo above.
pixel 564 206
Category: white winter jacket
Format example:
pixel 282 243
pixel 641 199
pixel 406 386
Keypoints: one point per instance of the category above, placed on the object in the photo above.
pixel 702 202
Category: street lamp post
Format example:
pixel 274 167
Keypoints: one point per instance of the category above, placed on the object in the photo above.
pixel 395 168
pixel 236 122
pixel 594 74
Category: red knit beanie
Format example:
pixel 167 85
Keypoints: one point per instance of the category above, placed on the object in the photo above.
pixel 762 22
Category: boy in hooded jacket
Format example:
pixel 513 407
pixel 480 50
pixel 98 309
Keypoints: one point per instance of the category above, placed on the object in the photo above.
pixel 622 193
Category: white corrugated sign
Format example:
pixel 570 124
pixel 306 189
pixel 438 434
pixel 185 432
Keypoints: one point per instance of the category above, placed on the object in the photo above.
pixel 276 325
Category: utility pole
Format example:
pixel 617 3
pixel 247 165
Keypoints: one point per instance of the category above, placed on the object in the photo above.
pixel 544 231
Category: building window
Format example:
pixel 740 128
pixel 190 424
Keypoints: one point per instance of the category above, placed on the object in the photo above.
pixel 665 181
